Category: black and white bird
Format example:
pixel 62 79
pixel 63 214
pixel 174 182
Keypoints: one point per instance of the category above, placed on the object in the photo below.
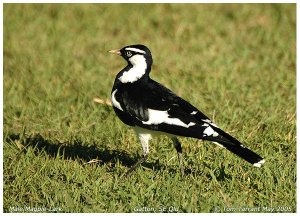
pixel 150 108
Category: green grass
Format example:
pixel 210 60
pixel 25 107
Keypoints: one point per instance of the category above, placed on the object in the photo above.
pixel 235 62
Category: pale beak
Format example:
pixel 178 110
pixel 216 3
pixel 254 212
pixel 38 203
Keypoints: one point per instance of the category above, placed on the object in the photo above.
pixel 118 52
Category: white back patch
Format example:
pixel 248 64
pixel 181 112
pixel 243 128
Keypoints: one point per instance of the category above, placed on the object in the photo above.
pixel 136 50
pixel 157 117
pixel 115 103
pixel 137 71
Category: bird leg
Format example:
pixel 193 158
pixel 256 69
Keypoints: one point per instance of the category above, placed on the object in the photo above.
pixel 141 160
pixel 178 148
pixel 144 139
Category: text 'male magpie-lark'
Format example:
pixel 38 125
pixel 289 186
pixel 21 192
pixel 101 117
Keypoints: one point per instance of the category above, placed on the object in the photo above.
pixel 150 108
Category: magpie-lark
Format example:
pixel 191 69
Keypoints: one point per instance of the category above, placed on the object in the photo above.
pixel 150 108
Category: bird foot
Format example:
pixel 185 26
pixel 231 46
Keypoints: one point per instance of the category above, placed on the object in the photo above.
pixel 141 160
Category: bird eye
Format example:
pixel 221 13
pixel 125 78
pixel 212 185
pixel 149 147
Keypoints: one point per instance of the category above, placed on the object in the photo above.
pixel 129 54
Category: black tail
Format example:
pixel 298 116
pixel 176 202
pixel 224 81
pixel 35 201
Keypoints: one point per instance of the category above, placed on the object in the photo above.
pixel 236 147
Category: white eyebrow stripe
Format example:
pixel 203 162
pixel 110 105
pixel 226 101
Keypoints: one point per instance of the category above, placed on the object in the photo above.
pixel 135 50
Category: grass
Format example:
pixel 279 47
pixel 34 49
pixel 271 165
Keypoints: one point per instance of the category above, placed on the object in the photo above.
pixel 65 153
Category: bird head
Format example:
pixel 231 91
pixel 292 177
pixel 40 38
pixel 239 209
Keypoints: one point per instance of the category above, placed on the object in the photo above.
pixel 135 54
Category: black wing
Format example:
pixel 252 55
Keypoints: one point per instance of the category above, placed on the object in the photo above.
pixel 152 95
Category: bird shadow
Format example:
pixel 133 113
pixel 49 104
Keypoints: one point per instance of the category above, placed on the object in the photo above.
pixel 75 150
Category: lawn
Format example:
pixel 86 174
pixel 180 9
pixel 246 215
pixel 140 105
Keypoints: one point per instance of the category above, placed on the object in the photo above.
pixel 63 152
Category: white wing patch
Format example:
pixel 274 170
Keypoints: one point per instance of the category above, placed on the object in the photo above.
pixel 210 122
pixel 115 103
pixel 209 131
pixel 157 117
pixel 137 71
pixel 219 144
pixel 194 112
